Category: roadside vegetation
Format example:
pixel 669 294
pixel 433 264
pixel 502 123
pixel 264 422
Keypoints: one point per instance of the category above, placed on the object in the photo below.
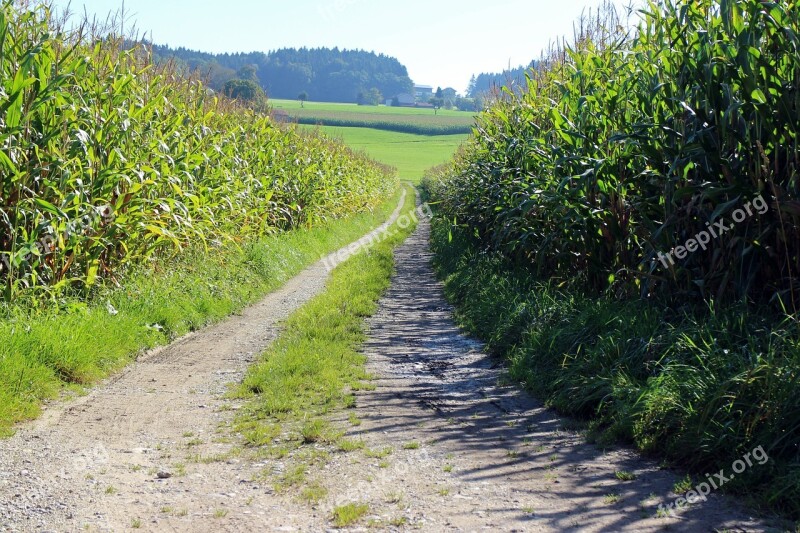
pixel 624 148
pixel 135 206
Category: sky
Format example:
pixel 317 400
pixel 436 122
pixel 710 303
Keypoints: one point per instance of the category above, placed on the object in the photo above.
pixel 442 42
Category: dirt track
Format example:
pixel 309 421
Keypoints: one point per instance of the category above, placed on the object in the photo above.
pixel 467 454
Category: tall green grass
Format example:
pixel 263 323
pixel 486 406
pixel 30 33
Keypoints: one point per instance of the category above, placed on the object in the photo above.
pixel 109 160
pixel 701 389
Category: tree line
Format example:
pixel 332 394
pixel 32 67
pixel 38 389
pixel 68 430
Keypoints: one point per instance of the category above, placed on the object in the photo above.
pixel 321 74
pixel 484 83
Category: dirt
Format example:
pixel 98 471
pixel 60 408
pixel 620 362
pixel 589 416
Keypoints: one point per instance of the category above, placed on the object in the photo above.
pixel 150 448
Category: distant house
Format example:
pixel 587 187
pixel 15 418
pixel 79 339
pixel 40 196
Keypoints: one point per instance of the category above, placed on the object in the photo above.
pixel 402 100
pixel 423 92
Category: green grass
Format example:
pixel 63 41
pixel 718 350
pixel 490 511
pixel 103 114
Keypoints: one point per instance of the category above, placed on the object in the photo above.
pixel 42 352
pixel 381 110
pixel 349 514
pixel 625 476
pixel 313 493
pixel 405 120
pixel 378 454
pixel 310 368
pixel 410 154
pixel 684 485
pixel 662 379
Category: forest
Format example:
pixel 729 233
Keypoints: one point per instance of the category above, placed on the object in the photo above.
pixel 485 82
pixel 323 74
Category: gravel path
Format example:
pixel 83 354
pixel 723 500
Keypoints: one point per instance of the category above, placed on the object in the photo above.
pixel 448 447
pixel 490 457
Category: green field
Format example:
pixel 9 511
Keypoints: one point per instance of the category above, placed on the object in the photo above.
pixel 290 106
pixel 410 154
pixel 399 119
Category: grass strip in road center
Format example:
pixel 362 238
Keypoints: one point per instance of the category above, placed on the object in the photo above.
pixel 315 364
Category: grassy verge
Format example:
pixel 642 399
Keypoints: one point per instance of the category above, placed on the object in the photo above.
pixel 315 365
pixel 699 388
pixel 43 351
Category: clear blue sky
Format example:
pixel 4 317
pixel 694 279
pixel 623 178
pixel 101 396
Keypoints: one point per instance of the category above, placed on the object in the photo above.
pixel 441 42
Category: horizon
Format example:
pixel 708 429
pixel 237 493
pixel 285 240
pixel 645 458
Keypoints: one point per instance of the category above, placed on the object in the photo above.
pixel 425 50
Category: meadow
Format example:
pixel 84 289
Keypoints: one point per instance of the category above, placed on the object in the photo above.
pixel 333 107
pixel 410 154
pixel 398 119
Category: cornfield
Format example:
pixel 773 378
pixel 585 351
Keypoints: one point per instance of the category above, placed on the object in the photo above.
pixel 108 160
pixel 625 148
pixel 415 124
pixel 628 143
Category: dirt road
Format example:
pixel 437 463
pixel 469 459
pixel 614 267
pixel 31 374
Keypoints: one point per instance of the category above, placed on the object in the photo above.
pixel 490 457
pixel 141 451
pixel 451 449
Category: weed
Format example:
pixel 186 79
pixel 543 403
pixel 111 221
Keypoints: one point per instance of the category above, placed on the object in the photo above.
pixel 394 497
pixel 313 493
pixel 350 445
pixel 683 486
pixel 378 454
pixel 349 514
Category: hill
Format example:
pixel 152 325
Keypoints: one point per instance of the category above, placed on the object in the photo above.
pixel 324 74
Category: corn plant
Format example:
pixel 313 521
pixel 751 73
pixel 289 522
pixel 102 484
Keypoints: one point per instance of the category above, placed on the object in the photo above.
pixel 628 144
pixel 108 159
pixel 625 146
